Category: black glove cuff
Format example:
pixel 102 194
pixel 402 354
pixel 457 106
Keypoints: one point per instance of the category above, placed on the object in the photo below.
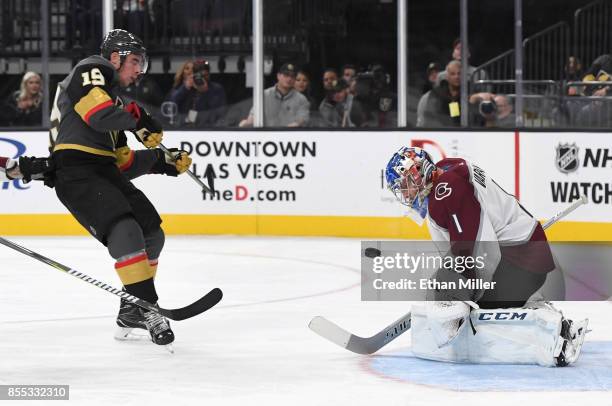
pixel 32 167
pixel 161 166
pixel 148 122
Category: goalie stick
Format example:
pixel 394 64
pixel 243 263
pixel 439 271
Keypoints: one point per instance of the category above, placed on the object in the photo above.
pixel 352 342
pixel 199 306
pixel 369 345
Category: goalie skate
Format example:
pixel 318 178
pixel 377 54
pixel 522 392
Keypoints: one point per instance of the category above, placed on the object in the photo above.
pixel 572 338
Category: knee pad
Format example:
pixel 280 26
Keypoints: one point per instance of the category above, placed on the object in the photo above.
pixel 154 243
pixel 125 237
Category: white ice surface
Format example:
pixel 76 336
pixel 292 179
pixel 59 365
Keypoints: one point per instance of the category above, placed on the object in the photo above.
pixel 254 348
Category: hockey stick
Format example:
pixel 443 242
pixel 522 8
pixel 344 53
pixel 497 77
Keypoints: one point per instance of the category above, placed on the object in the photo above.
pixel 370 345
pixel 200 306
pixel 209 176
pixel 583 200
pixel 360 345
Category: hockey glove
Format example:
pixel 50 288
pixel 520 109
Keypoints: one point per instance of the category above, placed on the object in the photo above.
pixel 33 168
pixel 148 130
pixel 171 165
pixel 10 168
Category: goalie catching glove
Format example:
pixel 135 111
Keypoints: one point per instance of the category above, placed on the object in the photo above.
pixel 172 165
pixel 148 130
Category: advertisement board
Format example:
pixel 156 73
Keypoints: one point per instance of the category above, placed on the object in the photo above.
pixel 557 169
pixel 304 182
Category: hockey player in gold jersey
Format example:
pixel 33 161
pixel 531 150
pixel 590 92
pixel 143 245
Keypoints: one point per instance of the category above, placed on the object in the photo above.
pixel 94 166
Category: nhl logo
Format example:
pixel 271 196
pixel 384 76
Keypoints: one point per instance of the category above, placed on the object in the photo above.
pixel 567 157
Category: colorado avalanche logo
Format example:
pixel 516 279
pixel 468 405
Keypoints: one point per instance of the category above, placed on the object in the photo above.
pixel 442 191
pixel 567 157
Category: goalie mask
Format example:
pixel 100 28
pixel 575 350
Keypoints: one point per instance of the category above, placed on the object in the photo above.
pixel 409 176
pixel 124 43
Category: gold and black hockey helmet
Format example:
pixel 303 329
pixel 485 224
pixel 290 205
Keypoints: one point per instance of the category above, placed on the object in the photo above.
pixel 124 43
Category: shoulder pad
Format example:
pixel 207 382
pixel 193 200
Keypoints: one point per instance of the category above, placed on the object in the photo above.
pixel 91 67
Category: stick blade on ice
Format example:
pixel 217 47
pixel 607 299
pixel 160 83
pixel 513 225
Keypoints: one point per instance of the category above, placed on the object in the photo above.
pixel 200 306
pixel 354 343
pixel 343 338
pixel 330 331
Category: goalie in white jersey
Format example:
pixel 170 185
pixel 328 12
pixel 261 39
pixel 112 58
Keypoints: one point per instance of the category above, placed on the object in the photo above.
pixel 469 215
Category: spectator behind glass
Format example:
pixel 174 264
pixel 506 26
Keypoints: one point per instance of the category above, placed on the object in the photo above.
pixel 330 76
pixel 443 104
pixel 336 106
pixel 302 85
pixel 573 73
pixel 283 105
pixel 349 73
pixel 431 76
pixel 181 76
pixel 573 69
pixel 473 75
pixel 24 106
pixel 201 100
pixel 505 116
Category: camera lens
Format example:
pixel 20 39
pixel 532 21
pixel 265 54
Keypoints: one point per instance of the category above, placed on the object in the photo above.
pixel 487 107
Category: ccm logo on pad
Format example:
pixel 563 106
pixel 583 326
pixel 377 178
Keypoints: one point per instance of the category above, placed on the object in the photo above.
pixel 502 316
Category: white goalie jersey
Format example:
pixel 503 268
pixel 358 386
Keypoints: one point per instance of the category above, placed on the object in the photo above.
pixel 466 207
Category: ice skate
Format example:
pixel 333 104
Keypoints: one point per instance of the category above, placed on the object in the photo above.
pixel 130 323
pixel 159 329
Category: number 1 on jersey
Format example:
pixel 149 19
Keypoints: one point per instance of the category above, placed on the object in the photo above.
pixel 459 229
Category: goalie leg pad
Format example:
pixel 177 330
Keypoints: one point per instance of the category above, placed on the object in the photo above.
pixel 446 320
pixel 503 336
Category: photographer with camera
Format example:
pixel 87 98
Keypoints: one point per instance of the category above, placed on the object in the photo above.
pixel 202 101
pixel 374 104
pixel 490 110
